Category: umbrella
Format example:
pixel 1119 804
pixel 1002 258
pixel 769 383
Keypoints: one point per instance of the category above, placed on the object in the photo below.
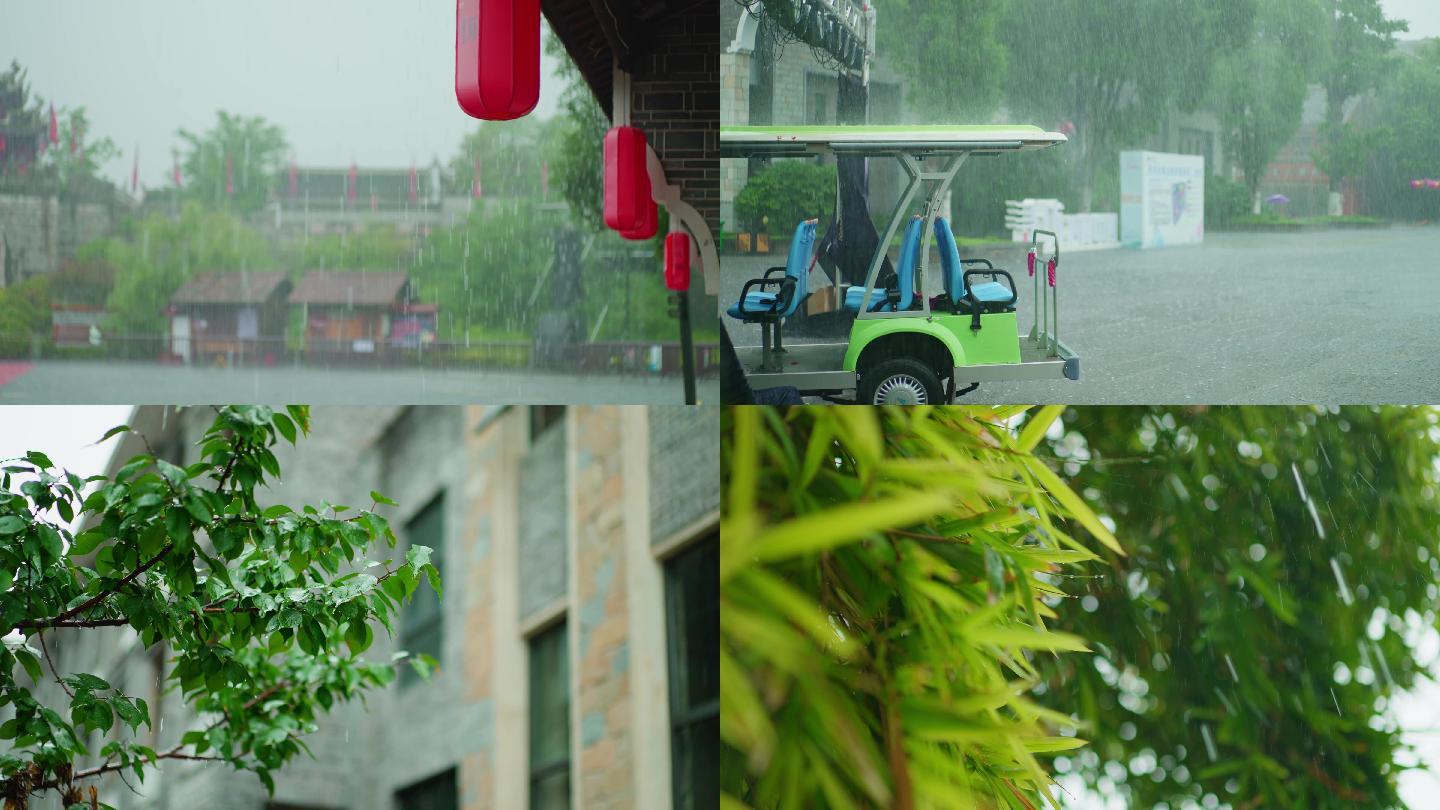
pixel 1277 199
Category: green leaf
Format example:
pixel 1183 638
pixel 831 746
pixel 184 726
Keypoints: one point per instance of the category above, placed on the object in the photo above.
pixel 177 524
pixel 197 508
pixel 820 531
pixel 358 636
pixel 417 556
pixel 285 426
pixel 31 664
pixel 1037 426
pixel 86 681
pixel 10 524
pixel 113 432
pixel 1073 504
pixel 378 498
pixel 39 459
pixel 1028 638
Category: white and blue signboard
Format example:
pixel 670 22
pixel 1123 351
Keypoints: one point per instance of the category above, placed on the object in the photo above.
pixel 1162 199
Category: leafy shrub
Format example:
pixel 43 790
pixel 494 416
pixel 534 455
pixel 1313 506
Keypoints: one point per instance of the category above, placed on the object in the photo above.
pixel 886 580
pixel 1226 201
pixel 785 192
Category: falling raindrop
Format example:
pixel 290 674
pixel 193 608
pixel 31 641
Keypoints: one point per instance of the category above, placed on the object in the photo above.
pixel 1340 579
pixel 1209 741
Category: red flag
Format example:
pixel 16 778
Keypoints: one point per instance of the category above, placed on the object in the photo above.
pixel 229 175
pixel 374 203
pixel 475 190
pixel 414 184
pixel 352 187
pixel 294 181
pixel 135 173
pixel 176 174
pixel 3 144
pixel 54 125
pixel 75 135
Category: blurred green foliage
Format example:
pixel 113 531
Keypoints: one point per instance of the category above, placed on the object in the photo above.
pixel 887 578
pixel 240 153
pixel 780 195
pixel 1281 563
pixel 1226 201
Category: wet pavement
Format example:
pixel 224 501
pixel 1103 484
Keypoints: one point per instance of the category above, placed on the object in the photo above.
pixel 1338 316
pixel 134 383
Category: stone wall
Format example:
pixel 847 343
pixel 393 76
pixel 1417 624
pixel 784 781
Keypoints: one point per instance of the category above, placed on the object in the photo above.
pixel 41 232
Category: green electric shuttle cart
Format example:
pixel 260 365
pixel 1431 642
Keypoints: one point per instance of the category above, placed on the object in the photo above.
pixel 906 347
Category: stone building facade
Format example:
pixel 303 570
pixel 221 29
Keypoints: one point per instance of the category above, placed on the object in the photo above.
pixel 568 536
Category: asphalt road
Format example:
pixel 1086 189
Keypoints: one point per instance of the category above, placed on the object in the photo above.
pixel 1330 317
pixel 133 383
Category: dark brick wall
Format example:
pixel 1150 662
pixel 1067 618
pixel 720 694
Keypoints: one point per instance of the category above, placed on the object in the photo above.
pixel 676 101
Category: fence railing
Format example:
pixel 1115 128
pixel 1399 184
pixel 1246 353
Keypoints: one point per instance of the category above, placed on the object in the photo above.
pixel 613 357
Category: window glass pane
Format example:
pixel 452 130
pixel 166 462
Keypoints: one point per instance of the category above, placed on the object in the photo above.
pixel 549 720
pixel 422 624
pixel 693 593
pixel 693 604
pixel 436 793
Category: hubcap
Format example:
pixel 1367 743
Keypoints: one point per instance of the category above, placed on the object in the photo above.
pixel 901 389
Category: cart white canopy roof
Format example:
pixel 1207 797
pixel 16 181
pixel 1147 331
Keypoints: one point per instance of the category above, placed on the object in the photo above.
pixel 875 140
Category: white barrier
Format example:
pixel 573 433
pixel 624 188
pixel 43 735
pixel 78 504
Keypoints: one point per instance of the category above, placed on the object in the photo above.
pixel 1023 217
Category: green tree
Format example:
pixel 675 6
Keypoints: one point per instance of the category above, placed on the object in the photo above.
pixel 887 577
pixel 1115 69
pixel 154 256
pixel 1249 646
pixel 951 53
pixel 1260 89
pixel 247 152
pixel 1405 144
pixel 511 155
pixel 264 611
pixel 1357 36
pixel 781 194
pixel 577 151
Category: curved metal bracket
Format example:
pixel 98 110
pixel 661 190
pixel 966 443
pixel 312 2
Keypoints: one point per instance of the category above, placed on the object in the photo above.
pixel 683 216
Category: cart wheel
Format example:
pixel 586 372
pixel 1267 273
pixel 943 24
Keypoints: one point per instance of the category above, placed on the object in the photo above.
pixel 901 381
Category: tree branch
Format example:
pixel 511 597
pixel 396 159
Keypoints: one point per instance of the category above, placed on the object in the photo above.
pixel 103 595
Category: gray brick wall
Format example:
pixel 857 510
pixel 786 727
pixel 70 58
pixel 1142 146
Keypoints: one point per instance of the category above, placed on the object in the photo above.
pixel 41 232
pixel 684 468
pixel 544 514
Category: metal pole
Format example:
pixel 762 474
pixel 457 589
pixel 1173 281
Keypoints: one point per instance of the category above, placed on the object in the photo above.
pixel 687 347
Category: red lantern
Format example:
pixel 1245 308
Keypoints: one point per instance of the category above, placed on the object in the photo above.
pixel 648 227
pixel 677 262
pixel 497 57
pixel 627 180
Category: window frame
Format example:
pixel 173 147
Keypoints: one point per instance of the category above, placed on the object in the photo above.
pixel 410 626
pixel 685 717
pixel 534 773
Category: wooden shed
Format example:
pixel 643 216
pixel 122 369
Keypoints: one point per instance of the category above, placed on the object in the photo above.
pixel 236 316
pixel 352 310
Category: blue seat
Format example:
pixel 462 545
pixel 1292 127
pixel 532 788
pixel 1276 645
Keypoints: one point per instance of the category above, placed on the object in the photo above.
pixel 761 306
pixel 904 275
pixel 953 269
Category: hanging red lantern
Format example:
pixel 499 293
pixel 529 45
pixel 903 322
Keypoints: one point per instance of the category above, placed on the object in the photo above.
pixel 497 57
pixel 648 227
pixel 677 262
pixel 627 180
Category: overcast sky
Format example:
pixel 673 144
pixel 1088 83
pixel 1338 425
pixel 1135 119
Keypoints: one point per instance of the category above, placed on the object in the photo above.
pixel 364 80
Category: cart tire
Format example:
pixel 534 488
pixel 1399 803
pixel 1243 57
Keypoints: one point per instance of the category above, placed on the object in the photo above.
pixel 901 381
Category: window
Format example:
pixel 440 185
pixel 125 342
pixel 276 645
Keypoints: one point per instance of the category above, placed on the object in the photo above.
pixel 550 720
pixel 423 624
pixel 692 597
pixel 544 417
pixel 436 793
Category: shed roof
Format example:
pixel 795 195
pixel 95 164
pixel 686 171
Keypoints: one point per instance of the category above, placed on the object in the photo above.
pixel 350 287
pixel 230 287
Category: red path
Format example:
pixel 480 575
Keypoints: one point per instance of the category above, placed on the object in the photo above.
pixel 9 372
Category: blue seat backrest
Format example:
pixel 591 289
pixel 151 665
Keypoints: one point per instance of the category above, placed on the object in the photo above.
pixel 949 259
pixel 797 266
pixel 909 257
